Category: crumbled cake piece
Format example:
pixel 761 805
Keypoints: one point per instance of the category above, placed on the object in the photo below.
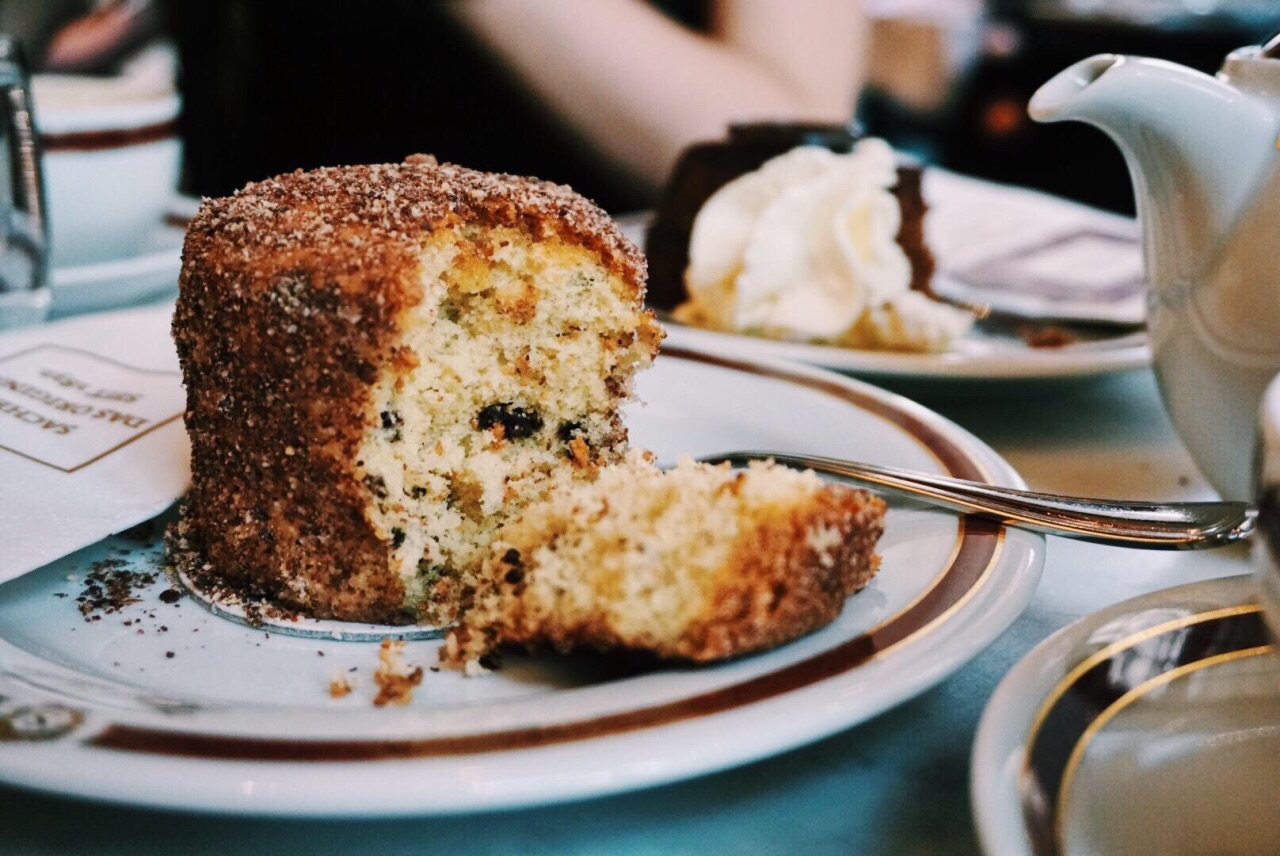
pixel 395 677
pixel 385 363
pixel 698 563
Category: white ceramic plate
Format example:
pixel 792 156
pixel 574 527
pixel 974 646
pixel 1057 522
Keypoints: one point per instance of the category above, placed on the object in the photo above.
pixel 166 704
pixel 148 275
pixel 1149 727
pixel 982 354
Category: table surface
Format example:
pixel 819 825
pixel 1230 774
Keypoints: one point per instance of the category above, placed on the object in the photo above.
pixel 896 784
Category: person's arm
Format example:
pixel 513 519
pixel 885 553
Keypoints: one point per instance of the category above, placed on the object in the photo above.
pixel 640 87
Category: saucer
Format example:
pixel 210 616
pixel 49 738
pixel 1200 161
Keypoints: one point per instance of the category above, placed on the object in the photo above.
pixel 131 280
pixel 1152 726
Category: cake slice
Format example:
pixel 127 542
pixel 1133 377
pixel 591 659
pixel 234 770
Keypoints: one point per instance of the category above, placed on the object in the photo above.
pixel 697 563
pixel 800 233
pixel 706 167
pixel 383 365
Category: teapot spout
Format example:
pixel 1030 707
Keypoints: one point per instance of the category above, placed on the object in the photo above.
pixel 1062 96
pixel 1197 149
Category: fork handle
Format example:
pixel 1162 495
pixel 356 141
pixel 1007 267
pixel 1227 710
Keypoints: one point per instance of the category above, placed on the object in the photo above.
pixel 1150 525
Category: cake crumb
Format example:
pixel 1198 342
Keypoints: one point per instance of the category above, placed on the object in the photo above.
pixel 340 687
pixel 1047 336
pixel 395 678
pixel 110 586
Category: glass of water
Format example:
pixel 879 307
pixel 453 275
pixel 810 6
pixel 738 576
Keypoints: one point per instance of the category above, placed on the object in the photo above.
pixel 24 244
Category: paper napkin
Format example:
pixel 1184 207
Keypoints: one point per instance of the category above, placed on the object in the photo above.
pixel 91 434
pixel 1032 254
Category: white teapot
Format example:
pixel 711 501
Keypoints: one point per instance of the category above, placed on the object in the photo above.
pixel 1203 154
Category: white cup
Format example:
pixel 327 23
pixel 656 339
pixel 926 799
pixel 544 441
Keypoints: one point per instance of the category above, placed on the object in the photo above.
pixel 112 155
pixel 1266 545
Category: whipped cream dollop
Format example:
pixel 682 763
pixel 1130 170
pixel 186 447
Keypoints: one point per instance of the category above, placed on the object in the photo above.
pixel 805 248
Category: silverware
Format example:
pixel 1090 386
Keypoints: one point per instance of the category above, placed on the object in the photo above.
pixel 1150 525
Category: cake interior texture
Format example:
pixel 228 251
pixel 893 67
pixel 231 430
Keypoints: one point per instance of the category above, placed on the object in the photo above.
pixel 383 365
pixel 517 357
pixel 696 562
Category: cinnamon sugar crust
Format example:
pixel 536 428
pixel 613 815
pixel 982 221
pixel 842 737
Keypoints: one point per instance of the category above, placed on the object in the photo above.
pixel 294 295
pixel 380 211
pixel 778 585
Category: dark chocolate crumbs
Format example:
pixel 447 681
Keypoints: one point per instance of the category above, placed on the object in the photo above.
pixel 109 587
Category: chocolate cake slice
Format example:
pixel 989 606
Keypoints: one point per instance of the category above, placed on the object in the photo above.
pixel 706 167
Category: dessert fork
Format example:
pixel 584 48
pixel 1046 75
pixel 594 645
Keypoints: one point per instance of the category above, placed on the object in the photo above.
pixel 1149 525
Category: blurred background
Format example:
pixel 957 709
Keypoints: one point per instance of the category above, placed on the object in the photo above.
pixel 274 86
pixel 994 59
